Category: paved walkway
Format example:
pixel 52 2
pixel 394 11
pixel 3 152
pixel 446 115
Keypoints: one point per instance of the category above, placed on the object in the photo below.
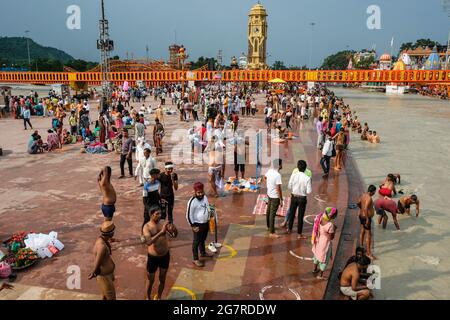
pixel 58 191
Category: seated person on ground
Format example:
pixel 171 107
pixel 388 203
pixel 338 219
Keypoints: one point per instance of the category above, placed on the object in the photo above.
pixel 67 138
pixel 52 140
pixel 349 282
pixel 33 146
pixel 359 253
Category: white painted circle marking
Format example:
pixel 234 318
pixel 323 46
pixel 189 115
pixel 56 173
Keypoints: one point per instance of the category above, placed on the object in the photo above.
pixel 298 257
pixel 305 219
pixel 318 198
pixel 295 293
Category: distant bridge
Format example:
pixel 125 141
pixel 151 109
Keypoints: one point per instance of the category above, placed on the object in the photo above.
pixel 160 77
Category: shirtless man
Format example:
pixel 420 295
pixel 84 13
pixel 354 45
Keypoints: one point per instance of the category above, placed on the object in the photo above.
pixel 104 265
pixel 365 131
pixel 404 204
pixel 356 125
pixel 214 167
pixel 366 213
pixel 388 187
pixel 108 192
pixel 157 251
pixel 375 138
pixel 397 177
pixel 340 146
pixel 349 281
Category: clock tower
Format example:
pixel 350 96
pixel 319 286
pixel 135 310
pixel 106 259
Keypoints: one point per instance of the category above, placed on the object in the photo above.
pixel 257 37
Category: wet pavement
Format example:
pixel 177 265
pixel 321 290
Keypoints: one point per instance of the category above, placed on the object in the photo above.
pixel 58 191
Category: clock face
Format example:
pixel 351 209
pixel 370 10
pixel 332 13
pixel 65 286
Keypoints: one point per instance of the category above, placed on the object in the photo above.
pixel 256 30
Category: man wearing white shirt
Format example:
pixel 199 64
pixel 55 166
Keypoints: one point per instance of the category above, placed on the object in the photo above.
pixel 268 119
pixel 145 164
pixel 275 195
pixel 327 152
pixel 300 185
pixel 197 215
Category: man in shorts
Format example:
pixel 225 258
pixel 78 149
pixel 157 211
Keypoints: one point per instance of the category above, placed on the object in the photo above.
pixel 158 254
pixel 108 192
pixel 366 213
pixel 386 204
pixel 349 282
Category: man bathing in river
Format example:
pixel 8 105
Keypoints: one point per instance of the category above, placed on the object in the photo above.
pixel 158 254
pixel 404 204
pixel 388 187
pixel 108 192
pixel 386 204
pixel 366 213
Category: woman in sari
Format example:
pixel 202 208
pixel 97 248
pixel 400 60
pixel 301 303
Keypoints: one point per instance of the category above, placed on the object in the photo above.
pixel 53 140
pixel 322 235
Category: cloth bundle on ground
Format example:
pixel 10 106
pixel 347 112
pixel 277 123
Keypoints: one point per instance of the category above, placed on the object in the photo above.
pixel 96 148
pixel 242 185
pixel 46 245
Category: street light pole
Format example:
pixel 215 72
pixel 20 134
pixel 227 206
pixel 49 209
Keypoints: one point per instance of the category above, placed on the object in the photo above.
pixel 28 48
pixel 447 52
pixel 182 56
pixel 312 24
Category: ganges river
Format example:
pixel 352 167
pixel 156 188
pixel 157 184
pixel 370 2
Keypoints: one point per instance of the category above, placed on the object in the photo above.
pixel 415 261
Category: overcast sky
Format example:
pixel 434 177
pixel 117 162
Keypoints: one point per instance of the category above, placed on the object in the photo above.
pixel 205 26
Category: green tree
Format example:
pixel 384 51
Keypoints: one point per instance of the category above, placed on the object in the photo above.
pixel 406 46
pixel 278 65
pixel 210 62
pixel 81 65
pixel 337 61
pixel 425 43
pixel 365 63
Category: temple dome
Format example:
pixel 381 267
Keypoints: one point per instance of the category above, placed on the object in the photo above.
pixel 258 9
pixel 386 57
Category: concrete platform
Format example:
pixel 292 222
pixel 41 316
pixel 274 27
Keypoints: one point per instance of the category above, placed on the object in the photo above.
pixel 58 191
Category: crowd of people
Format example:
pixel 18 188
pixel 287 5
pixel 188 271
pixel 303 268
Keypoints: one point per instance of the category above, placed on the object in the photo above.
pixel 441 92
pixel 216 110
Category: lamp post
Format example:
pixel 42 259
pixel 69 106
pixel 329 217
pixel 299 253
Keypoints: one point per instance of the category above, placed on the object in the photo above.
pixel 312 24
pixel 182 57
pixel 28 48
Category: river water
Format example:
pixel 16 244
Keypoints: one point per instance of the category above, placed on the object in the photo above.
pixel 415 142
